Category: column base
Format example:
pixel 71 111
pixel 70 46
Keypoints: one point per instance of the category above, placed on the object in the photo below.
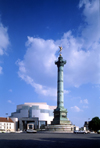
pixel 60 117
pixel 63 128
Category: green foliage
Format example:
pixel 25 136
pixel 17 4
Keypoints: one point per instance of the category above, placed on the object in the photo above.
pixel 94 124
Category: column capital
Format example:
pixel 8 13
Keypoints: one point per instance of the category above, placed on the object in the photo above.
pixel 60 61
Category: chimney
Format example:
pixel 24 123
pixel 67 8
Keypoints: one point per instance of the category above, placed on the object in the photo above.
pixel 7 118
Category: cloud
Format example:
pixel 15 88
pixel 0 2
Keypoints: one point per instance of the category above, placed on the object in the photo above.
pixel 79 69
pixel 38 65
pixel 0 70
pixel 4 42
pixel 81 101
pixel 76 109
pixel 91 13
pixel 82 53
pixel 85 101
pixel 4 39
pixel 9 101
pixel 85 107
pixel 97 86
pixel 75 98
pixel 66 91
pixel 10 90
pixel 40 89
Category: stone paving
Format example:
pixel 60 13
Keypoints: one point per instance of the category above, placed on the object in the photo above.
pixel 49 140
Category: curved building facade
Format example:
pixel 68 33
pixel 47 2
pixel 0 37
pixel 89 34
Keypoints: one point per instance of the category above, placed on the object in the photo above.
pixel 40 114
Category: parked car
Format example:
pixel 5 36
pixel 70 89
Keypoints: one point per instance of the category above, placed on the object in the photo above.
pixel 92 132
pixel 19 131
pixel 80 132
pixel 87 132
pixel 31 131
pixel 2 131
pixel 98 131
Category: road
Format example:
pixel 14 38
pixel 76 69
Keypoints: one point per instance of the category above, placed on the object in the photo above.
pixel 49 140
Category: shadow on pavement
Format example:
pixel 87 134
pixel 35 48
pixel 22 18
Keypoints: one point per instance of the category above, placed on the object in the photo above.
pixel 51 143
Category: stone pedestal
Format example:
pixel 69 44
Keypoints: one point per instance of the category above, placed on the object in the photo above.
pixel 60 117
pixel 60 128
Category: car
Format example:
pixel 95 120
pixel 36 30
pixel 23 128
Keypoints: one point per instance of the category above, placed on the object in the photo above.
pixel 98 131
pixel 31 131
pixel 2 131
pixel 92 132
pixel 87 132
pixel 19 131
pixel 80 132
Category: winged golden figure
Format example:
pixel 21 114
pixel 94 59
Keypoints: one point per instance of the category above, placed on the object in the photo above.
pixel 60 49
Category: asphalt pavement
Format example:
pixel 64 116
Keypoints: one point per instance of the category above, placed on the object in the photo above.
pixel 49 140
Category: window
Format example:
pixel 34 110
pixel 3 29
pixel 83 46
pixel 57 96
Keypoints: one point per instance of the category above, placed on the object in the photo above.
pixel 35 107
pixel 50 112
pixel 30 126
pixel 10 125
pixel 43 110
pixel 25 107
pixel 0 125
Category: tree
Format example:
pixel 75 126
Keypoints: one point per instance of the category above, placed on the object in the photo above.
pixel 94 124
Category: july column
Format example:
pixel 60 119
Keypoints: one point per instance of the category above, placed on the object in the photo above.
pixel 60 94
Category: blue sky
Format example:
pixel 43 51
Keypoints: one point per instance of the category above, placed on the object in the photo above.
pixel 30 33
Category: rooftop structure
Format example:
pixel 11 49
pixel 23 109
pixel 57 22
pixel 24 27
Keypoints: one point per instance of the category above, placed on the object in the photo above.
pixel 2 119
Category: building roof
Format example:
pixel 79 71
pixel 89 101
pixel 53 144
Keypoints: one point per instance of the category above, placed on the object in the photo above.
pixel 42 105
pixel 2 119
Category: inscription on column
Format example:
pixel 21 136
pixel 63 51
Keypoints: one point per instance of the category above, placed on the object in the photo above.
pixel 63 115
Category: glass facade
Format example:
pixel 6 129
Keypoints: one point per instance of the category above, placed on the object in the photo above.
pixel 25 107
pixel 50 112
pixel 35 107
pixel 35 110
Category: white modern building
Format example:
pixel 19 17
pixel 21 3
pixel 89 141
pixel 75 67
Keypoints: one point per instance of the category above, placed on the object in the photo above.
pixel 6 124
pixel 39 114
pixel 86 125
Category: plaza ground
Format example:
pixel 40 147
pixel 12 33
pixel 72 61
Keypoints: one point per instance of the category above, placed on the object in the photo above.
pixel 49 140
